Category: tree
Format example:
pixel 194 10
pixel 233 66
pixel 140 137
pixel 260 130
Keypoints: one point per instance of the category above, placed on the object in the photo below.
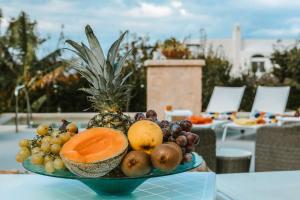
pixel 216 72
pixel 286 68
pixel 19 63
pixel 141 51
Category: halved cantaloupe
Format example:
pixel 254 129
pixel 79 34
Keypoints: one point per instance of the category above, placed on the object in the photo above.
pixel 94 152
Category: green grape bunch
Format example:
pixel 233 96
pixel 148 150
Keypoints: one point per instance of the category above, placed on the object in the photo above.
pixel 44 148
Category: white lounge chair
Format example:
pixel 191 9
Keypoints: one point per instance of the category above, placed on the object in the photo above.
pixel 267 99
pixel 223 100
pixel 271 99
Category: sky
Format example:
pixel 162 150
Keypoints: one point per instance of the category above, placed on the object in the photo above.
pixel 158 19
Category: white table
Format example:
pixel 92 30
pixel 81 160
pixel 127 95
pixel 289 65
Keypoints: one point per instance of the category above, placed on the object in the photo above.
pixel 249 129
pixel 189 185
pixel 177 113
pixel 259 186
pixel 283 120
pixel 213 125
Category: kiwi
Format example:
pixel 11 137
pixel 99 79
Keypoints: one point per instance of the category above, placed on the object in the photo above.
pixel 178 148
pixel 166 157
pixel 136 163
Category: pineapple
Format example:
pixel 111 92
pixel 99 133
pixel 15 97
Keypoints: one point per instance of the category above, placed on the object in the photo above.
pixel 108 91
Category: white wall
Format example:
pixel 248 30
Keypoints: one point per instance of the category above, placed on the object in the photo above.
pixel 239 51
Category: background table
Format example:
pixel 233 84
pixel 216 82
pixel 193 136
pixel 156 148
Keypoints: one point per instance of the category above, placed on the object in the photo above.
pixel 189 185
pixel 213 125
pixel 259 186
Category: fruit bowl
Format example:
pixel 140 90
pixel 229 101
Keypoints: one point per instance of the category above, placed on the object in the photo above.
pixel 114 185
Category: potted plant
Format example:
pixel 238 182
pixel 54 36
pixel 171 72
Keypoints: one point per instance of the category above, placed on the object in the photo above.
pixel 173 49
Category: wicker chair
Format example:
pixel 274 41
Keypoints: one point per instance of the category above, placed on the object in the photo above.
pixel 278 148
pixel 207 146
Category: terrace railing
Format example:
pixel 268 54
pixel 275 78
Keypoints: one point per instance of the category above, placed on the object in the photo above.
pixel 29 112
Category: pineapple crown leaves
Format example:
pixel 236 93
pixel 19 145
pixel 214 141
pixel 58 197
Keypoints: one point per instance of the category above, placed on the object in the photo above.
pixel 108 89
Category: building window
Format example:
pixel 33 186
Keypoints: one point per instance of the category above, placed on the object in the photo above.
pixel 258 63
pixel 258 66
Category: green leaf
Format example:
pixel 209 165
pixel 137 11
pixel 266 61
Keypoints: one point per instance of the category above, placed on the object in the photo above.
pixel 93 64
pixel 80 68
pixel 117 81
pixel 102 83
pixel 119 66
pixel 126 77
pixel 92 91
pixel 78 54
pixel 95 45
pixel 109 72
pixel 113 50
pixel 79 48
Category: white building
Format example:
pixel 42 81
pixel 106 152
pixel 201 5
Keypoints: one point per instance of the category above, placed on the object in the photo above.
pixel 244 54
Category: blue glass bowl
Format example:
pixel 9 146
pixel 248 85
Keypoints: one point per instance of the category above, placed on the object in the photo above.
pixel 113 185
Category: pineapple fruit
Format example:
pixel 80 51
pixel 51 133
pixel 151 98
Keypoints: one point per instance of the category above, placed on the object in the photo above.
pixel 108 91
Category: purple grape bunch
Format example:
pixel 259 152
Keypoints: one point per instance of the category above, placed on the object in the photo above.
pixel 139 116
pixel 180 133
pixel 150 115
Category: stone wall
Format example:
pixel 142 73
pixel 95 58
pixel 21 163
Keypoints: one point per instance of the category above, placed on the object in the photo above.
pixel 174 82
